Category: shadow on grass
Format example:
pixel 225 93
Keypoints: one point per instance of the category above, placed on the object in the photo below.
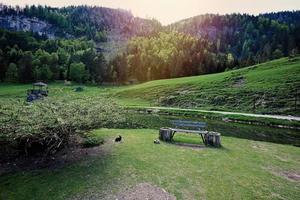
pixel 194 146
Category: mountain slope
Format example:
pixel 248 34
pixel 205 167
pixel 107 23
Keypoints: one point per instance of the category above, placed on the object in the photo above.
pixel 247 37
pixel 109 28
pixel 265 88
pixel 75 21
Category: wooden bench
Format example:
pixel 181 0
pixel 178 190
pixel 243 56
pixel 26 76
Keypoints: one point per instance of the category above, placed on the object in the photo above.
pixel 183 126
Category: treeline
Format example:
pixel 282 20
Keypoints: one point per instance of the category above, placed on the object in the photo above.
pixel 24 58
pixel 250 39
pixel 166 55
pixel 209 44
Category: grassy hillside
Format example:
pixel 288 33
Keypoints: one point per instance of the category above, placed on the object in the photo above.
pixel 265 88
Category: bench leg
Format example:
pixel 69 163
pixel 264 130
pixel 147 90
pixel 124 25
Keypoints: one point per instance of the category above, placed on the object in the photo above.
pixel 203 139
pixel 172 135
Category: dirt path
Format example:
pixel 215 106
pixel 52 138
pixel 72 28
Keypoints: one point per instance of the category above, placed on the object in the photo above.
pixel 145 191
pixel 230 113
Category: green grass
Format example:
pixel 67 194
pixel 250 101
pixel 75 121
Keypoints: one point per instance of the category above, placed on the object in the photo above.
pixel 242 169
pixel 56 89
pixel 273 84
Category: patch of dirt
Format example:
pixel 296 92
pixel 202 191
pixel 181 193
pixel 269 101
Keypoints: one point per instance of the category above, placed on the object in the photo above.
pixel 281 159
pixel 291 176
pixel 277 196
pixel 259 146
pixel 145 191
pixel 74 152
pixel 142 191
pixel 239 81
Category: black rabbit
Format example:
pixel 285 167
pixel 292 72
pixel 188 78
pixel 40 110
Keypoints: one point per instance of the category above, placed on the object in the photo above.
pixel 118 139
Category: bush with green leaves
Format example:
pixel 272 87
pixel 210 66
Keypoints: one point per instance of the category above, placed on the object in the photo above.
pixel 47 124
pixel 78 72
pixel 92 142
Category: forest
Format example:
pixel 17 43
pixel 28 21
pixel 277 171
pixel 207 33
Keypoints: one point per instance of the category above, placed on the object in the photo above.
pixel 199 45
pixel 30 59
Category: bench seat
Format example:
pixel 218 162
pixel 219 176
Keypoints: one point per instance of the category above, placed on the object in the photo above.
pixel 188 131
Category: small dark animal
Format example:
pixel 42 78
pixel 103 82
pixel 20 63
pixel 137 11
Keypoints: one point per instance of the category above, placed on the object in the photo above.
pixel 118 139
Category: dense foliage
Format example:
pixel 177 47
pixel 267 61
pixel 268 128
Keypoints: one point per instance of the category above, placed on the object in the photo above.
pixel 166 55
pixel 25 58
pixel 48 124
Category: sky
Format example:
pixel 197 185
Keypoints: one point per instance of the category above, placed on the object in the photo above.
pixel 168 11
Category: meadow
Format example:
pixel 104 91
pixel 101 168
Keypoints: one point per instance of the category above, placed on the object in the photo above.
pixel 255 162
pixel 271 87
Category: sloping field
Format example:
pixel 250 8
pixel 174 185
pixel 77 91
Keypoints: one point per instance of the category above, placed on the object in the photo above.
pixel 270 87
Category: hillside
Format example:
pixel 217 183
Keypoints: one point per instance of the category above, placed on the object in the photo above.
pixel 74 21
pixel 108 27
pixel 208 44
pixel 249 38
pixel 265 88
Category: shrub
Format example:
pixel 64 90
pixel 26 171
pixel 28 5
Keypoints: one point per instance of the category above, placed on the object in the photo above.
pixel 92 142
pixel 48 124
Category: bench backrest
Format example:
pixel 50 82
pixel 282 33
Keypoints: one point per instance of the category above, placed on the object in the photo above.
pixel 189 124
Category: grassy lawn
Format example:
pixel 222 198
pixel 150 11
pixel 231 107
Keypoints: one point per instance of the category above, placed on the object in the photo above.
pixel 242 169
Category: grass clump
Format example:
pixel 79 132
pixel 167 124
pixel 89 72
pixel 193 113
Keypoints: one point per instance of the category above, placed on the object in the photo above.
pixel 92 142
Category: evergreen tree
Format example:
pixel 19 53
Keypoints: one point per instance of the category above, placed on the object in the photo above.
pixel 78 72
pixel 12 73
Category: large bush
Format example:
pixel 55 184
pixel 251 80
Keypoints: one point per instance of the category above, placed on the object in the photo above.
pixel 46 125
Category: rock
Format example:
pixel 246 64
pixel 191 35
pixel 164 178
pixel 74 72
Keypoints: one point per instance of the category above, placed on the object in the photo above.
pixel 156 141
pixel 226 119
